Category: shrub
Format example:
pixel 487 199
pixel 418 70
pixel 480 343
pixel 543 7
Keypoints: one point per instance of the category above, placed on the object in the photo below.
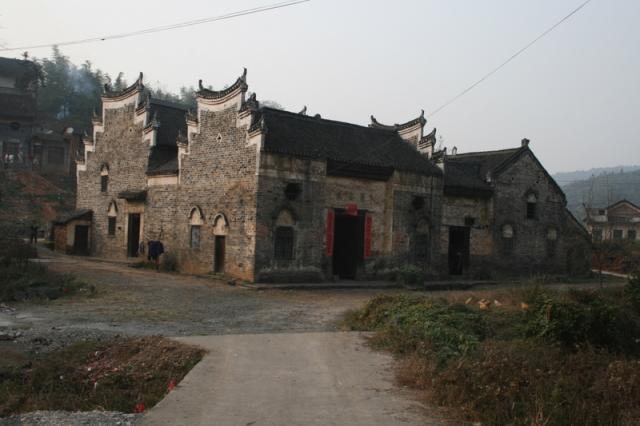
pixel 584 318
pixel 417 324
pixel 410 275
pixel 524 383
pixel 633 289
pixel 37 283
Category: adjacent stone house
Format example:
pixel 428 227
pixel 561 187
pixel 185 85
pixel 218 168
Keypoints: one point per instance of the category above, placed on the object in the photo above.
pixel 18 90
pixel 619 221
pixel 256 193
pixel 503 213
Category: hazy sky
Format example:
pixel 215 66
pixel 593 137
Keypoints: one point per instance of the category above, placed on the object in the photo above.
pixel 575 94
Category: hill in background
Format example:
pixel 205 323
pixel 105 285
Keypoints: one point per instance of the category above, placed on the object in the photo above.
pixel 27 197
pixel 565 178
pixel 601 190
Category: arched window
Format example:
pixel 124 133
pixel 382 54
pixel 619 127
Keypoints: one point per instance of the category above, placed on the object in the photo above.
pixel 220 225
pixel 112 215
pixel 284 236
pixel 507 234
pixel 104 178
pixel 196 220
pixel 422 240
pixel 532 204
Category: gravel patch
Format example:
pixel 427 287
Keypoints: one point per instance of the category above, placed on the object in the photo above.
pixel 64 418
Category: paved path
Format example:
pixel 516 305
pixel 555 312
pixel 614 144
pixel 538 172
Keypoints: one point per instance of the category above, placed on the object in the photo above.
pixel 288 379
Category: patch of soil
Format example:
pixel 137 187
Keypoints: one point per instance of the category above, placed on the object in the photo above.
pixel 124 374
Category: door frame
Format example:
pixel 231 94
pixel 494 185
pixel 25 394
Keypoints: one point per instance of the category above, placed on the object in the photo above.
pixel 465 254
pixel 133 251
pixel 219 253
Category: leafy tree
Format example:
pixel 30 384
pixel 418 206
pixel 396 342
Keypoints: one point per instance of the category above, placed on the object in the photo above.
pixel 68 93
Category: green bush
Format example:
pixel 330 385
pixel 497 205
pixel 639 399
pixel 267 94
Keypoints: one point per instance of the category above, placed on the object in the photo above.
pixel 35 282
pixel 417 324
pixel 410 275
pixel 633 289
pixel 546 358
pixel 584 318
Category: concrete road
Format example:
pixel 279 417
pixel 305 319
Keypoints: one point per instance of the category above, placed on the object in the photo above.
pixel 289 379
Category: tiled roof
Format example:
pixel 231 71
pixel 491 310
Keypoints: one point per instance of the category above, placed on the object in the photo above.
pixel 163 158
pixel 76 214
pixel 313 137
pixel 466 174
pixel 16 67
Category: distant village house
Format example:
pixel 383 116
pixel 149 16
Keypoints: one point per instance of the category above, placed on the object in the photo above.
pixel 619 221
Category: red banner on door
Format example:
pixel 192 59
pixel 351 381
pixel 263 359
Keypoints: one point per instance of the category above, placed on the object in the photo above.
pixel 351 210
pixel 368 222
pixel 329 232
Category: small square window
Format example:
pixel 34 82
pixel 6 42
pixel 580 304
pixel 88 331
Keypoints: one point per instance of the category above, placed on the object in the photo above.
pixel 632 234
pixel 195 236
pixel 112 226
pixel 617 234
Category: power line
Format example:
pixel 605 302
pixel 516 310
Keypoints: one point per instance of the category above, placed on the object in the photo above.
pixel 231 15
pixel 511 58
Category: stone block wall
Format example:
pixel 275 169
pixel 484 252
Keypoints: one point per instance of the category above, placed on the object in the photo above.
pixel 217 177
pixel 122 149
pixel 388 203
pixel 532 251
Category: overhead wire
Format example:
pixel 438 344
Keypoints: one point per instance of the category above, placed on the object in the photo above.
pixel 509 59
pixel 489 74
pixel 201 21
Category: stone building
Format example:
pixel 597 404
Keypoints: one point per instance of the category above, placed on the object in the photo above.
pixel 504 214
pixel 18 90
pixel 55 153
pixel 619 221
pixel 257 193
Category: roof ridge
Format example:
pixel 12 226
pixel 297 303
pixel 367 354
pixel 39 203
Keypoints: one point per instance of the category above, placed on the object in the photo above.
pixel 316 119
pixel 497 151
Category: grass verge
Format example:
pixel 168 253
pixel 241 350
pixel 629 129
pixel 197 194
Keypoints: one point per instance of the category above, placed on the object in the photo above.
pixel 35 282
pixel 126 375
pixel 530 356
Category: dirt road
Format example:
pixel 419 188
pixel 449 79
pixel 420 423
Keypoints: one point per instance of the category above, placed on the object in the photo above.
pixel 289 379
pixel 276 357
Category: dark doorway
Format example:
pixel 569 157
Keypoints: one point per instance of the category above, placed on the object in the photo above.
pixel 133 235
pixel 218 259
pixel 458 249
pixel 81 240
pixel 348 244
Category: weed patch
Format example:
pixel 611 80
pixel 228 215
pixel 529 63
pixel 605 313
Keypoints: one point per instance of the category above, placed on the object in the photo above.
pixel 538 357
pixel 124 375
pixel 34 282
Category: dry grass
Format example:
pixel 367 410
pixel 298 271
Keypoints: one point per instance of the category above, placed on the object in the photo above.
pixel 120 375
pixel 518 356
